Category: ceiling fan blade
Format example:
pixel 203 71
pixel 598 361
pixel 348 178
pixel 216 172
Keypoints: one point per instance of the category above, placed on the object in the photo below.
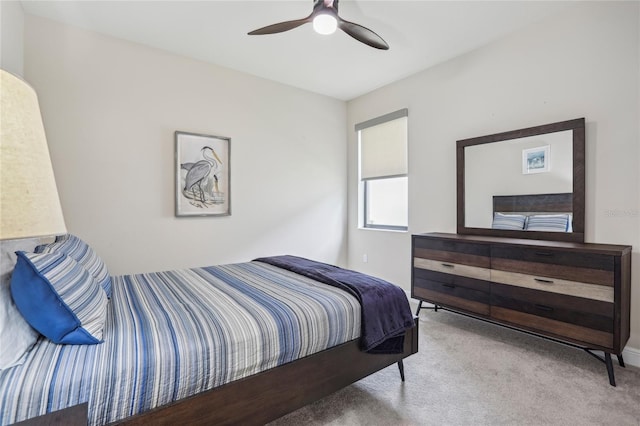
pixel 362 34
pixel 280 27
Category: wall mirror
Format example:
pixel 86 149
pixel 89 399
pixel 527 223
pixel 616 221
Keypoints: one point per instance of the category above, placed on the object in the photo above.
pixel 526 183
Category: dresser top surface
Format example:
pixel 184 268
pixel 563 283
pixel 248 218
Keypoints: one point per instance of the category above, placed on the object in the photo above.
pixel 611 249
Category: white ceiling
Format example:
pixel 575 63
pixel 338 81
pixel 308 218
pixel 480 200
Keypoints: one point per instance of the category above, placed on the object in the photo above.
pixel 420 34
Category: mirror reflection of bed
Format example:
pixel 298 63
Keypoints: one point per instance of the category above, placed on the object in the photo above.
pixel 494 165
pixel 533 212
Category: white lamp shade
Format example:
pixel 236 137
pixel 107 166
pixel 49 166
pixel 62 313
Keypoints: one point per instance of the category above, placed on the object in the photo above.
pixel 29 202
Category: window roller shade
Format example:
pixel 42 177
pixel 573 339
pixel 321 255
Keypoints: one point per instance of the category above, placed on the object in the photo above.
pixel 383 149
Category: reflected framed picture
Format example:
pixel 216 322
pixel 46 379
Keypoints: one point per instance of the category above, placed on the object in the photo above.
pixel 536 160
pixel 203 186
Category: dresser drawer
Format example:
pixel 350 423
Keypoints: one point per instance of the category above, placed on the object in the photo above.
pixel 582 335
pixel 459 252
pixel 554 285
pixel 452 268
pixel 452 291
pixel 589 313
pixel 452 279
pixel 578 266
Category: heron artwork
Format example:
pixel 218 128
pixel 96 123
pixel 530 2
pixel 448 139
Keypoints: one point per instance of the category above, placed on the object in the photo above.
pixel 201 180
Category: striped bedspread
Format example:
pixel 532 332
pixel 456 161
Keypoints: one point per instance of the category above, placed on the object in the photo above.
pixel 173 334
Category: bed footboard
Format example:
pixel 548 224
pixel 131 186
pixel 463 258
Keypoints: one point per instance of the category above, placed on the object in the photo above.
pixel 266 396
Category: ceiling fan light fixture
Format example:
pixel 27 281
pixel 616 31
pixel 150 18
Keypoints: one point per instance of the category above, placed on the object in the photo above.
pixel 326 20
pixel 325 23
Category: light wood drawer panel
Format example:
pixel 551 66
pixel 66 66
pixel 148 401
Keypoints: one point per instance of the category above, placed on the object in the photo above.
pixel 453 268
pixel 556 328
pixel 453 257
pixel 554 285
pixel 572 273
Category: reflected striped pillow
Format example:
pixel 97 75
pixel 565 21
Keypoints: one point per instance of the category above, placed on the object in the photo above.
pixel 59 298
pixel 548 223
pixel 514 222
pixel 80 251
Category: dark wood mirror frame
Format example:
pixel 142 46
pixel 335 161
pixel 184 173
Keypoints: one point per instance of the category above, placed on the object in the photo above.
pixel 578 127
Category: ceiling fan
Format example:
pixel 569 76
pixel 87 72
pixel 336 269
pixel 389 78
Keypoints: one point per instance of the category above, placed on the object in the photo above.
pixel 325 21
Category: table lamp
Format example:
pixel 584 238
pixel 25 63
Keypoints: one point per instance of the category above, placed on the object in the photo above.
pixel 29 201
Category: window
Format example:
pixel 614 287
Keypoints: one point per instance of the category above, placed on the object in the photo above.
pixel 384 196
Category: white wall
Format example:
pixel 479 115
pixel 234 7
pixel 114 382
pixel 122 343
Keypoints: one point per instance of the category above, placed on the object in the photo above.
pixel 110 110
pixel 583 63
pixel 11 37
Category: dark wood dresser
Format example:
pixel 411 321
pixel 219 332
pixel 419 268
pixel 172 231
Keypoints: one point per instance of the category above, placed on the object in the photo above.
pixel 576 293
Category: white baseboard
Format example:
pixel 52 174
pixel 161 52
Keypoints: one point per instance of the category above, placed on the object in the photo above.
pixel 631 356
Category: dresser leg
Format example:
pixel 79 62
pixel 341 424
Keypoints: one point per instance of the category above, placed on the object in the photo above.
pixel 608 363
pixel 607 358
pixel 401 368
pixel 419 308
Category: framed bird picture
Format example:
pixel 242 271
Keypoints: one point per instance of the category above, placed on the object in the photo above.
pixel 202 175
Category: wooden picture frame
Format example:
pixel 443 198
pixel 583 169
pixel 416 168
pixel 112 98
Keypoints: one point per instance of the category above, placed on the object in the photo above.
pixel 203 186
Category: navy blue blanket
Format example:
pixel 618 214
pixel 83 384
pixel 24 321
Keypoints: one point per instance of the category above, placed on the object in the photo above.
pixel 385 309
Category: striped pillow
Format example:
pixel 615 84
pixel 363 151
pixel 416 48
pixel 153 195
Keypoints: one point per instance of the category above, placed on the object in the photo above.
pixel 59 298
pixel 548 223
pixel 514 222
pixel 80 251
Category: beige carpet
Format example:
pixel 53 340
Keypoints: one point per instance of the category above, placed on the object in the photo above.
pixel 469 372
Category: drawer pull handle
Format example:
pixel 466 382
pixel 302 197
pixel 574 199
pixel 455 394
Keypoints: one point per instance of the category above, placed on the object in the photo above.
pixel 544 253
pixel 544 308
pixel 449 285
pixel 447 265
pixel 543 281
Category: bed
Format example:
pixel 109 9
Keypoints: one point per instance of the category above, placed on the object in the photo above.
pixel 240 343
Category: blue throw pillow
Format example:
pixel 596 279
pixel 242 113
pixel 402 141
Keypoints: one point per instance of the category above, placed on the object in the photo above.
pixel 80 251
pixel 59 298
pixel 514 222
pixel 548 223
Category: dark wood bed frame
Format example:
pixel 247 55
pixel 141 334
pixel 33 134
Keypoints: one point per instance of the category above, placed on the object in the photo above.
pixel 266 396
